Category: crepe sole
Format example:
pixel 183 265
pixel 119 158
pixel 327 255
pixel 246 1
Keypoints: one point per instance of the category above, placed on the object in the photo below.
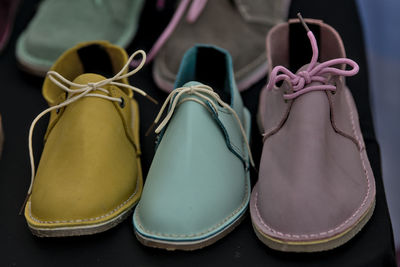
pixel 315 245
pixel 189 245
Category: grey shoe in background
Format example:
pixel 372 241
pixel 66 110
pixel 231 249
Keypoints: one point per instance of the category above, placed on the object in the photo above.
pixel 239 26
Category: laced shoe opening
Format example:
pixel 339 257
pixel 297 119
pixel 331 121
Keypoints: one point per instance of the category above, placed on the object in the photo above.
pixel 300 50
pixel 95 59
pixel 211 69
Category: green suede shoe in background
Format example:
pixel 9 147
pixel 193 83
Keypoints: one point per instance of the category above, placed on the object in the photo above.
pixel 61 24
pixel 198 185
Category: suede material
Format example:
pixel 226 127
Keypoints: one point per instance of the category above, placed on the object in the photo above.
pixel 89 171
pixel 198 183
pixel 69 58
pixel 60 24
pixel 315 179
pixel 220 24
pixel 275 113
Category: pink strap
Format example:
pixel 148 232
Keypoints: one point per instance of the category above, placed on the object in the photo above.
pixel 312 74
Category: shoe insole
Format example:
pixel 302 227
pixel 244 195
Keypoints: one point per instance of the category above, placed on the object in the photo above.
pixel 95 59
pixel 300 51
pixel 211 70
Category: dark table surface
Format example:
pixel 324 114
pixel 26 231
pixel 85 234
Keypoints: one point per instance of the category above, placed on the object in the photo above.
pixel 21 101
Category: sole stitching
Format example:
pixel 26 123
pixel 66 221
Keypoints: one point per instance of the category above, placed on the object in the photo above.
pixel 85 220
pixel 99 217
pixel 244 203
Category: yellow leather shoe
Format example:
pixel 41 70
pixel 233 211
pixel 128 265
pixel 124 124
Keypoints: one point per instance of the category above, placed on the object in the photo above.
pixel 89 176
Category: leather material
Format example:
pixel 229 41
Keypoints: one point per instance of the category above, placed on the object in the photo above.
pixel 197 185
pixel 89 171
pixel 315 180
pixel 242 37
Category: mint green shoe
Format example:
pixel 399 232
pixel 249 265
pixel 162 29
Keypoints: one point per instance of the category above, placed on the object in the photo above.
pixel 198 185
pixel 61 24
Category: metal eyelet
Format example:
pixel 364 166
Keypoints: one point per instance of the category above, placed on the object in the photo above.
pixel 334 84
pixel 285 93
pixel 57 111
pixel 122 104
pixel 284 99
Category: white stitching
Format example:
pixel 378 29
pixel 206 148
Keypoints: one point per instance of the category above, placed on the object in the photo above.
pixel 345 222
pixel 244 202
pixel 84 220
pixel 114 210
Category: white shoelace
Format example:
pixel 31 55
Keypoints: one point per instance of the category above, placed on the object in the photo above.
pixel 203 92
pixel 84 90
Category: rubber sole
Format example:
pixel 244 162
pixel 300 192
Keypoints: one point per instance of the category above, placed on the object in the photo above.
pixel 315 245
pixel 85 229
pixel 80 230
pixel 190 245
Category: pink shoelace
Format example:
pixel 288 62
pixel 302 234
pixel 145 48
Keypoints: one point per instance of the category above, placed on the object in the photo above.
pixel 194 12
pixel 313 73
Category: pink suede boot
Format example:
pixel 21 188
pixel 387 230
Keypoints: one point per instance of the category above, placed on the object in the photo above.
pixel 316 189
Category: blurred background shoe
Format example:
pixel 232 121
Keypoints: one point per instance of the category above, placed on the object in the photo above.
pixel 239 26
pixel 8 9
pixel 61 24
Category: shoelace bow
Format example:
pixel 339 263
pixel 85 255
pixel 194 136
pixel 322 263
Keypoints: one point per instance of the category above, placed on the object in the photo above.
pixel 203 92
pixel 194 12
pixel 84 90
pixel 313 73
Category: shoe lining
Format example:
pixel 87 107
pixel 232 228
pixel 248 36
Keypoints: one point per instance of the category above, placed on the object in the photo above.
pixel 300 51
pixel 211 70
pixel 95 59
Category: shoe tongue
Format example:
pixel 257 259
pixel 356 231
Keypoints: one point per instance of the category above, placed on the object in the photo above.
pixel 192 83
pixel 87 78
pixel 225 96
pixel 304 68
pixel 309 112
